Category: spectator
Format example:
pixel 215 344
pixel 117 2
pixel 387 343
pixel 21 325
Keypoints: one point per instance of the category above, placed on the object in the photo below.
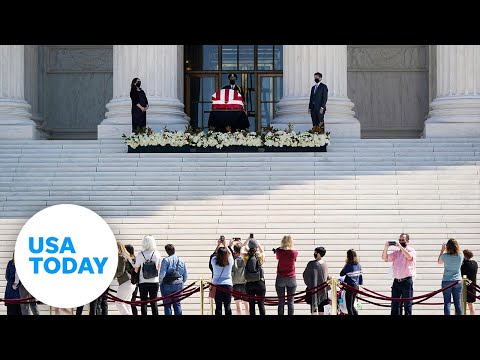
pixel 470 268
pixel 353 277
pixel 148 287
pixel 10 291
pixel 403 270
pixel 451 258
pixel 131 252
pixel 125 286
pixel 238 278
pixel 30 307
pixel 314 275
pixel 222 264
pixel 173 275
pixel 254 275
pixel 286 278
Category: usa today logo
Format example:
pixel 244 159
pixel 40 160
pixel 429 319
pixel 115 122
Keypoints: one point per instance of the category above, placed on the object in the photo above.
pixel 66 256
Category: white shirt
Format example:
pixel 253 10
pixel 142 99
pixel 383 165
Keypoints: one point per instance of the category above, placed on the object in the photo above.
pixel 140 260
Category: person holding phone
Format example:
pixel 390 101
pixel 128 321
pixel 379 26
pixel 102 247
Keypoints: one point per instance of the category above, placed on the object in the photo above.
pixel 404 269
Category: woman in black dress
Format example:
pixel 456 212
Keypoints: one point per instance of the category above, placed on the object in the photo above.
pixel 470 268
pixel 139 106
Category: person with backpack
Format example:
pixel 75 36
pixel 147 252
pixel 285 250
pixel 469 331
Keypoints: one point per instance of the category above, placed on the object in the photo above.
pixel 254 275
pixel 354 278
pixel 238 279
pixel 173 274
pixel 286 277
pixel 222 264
pixel 147 263
pixel 123 276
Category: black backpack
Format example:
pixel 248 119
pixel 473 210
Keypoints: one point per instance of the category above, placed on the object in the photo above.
pixel 253 269
pixel 149 268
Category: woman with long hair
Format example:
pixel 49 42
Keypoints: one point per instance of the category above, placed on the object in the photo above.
pixel 125 286
pixel 139 105
pixel 286 277
pixel 10 291
pixel 222 264
pixel 451 258
pixel 353 277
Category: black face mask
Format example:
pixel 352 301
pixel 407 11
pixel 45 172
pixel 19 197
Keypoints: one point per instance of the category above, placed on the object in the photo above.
pixel 315 255
pixel 232 82
pixel 404 244
pixel 317 80
pixel 139 83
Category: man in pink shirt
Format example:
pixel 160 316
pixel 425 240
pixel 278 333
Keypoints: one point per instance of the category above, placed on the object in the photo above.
pixel 403 269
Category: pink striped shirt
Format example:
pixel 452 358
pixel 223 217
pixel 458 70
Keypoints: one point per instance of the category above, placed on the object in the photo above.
pixel 402 267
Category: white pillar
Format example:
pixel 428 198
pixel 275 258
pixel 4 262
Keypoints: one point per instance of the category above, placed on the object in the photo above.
pixel 300 62
pixel 15 117
pixel 456 109
pixel 159 68
pixel 33 84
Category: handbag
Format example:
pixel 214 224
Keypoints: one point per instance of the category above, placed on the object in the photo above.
pixel 213 289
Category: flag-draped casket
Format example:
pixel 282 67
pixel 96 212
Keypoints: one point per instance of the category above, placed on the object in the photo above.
pixel 228 110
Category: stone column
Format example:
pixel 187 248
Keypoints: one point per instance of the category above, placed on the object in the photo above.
pixel 159 68
pixel 456 109
pixel 300 62
pixel 15 116
pixel 33 84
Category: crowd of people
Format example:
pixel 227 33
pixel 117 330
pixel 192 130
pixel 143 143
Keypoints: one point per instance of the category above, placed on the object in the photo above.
pixel 238 272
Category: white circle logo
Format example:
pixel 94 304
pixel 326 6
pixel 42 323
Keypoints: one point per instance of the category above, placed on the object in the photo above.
pixel 66 256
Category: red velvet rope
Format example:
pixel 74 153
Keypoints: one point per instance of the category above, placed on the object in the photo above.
pixel 139 302
pixel 383 297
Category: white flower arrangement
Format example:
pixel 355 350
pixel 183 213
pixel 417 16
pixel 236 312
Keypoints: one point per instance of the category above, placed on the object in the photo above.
pixel 273 138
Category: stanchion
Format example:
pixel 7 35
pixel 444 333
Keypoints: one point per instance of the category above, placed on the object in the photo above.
pixel 464 294
pixel 211 301
pixel 333 287
pixel 202 298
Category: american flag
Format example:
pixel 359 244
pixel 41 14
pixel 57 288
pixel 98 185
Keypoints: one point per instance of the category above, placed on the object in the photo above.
pixel 227 99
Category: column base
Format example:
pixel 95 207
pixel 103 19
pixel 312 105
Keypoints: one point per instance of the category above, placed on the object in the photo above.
pixel 448 129
pixel 339 118
pixel 163 113
pixel 457 115
pixel 19 132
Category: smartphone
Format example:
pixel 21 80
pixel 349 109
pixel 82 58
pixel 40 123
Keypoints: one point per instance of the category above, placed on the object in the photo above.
pixel 251 236
pixel 392 243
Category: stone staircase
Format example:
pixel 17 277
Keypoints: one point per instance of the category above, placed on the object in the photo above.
pixel 359 194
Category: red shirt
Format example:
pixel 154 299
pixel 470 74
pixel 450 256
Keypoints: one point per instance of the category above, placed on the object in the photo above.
pixel 286 262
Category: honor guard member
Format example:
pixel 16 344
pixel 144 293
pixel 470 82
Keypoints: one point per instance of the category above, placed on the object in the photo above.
pixel 233 78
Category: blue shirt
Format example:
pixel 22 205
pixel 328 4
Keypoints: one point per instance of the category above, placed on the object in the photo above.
pixel 452 264
pixel 353 274
pixel 222 275
pixel 169 264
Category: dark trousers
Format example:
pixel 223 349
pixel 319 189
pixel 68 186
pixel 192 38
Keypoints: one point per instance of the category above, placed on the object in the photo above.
pixel 223 297
pixel 139 118
pixel 256 288
pixel 134 298
pixel 281 284
pixel 98 306
pixel 148 291
pixel 350 297
pixel 317 118
pixel 14 309
pixel 402 289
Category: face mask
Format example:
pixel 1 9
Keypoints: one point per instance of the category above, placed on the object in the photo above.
pixel 315 255
pixel 232 82
pixel 139 83
pixel 317 80
pixel 404 244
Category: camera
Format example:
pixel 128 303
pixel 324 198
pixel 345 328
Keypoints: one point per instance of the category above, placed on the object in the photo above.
pixel 251 236
pixel 392 243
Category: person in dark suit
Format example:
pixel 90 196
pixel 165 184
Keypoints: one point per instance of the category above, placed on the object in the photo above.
pixel 139 105
pixel 318 101
pixel 233 78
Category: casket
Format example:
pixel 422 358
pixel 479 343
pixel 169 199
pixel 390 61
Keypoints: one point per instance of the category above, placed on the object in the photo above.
pixel 228 111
